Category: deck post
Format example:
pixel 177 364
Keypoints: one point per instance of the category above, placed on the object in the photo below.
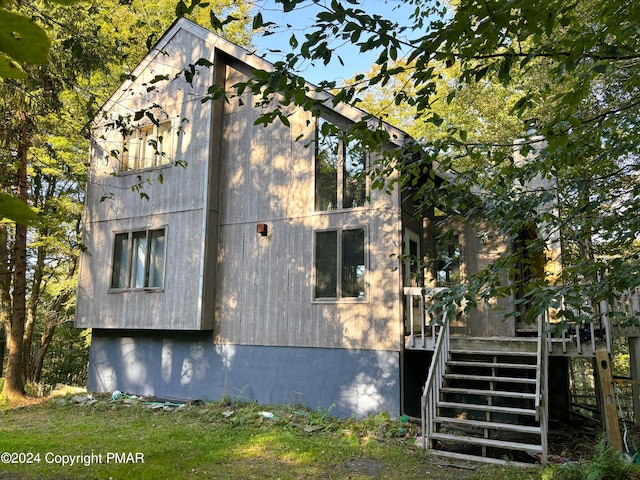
pixel 609 401
pixel 634 360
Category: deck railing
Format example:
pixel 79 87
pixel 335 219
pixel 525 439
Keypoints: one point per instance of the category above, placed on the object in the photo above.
pixel 542 386
pixel 587 335
pixel 431 392
pixel 627 311
pixel 429 325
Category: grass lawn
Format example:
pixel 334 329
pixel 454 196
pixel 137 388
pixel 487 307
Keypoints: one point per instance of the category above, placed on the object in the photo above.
pixel 132 441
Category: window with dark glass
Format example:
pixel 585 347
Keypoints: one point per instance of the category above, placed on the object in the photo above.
pixel 138 259
pixel 340 169
pixel 448 255
pixel 340 264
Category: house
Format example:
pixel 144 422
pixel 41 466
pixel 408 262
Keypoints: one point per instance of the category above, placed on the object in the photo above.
pixel 229 259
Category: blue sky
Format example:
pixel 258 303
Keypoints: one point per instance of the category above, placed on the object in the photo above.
pixel 300 19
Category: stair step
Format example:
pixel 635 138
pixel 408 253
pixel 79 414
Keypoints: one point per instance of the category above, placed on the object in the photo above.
pixel 489 393
pixel 455 351
pixel 490 378
pixel 477 459
pixel 488 442
pixel 471 363
pixel 487 408
pixel 511 427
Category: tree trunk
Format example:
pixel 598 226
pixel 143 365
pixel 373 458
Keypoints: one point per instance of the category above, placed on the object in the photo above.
pixel 14 381
pixel 40 352
pixel 5 295
pixel 2 347
pixel 34 299
pixel 51 323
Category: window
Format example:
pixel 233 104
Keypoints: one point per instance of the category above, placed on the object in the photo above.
pixel 448 261
pixel 412 259
pixel 147 147
pixel 138 259
pixel 340 168
pixel 340 264
pixel 529 269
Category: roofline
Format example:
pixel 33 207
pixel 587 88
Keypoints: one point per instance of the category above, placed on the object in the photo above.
pixel 250 59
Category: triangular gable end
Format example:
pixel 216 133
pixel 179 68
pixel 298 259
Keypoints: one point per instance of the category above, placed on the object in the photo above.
pixel 194 42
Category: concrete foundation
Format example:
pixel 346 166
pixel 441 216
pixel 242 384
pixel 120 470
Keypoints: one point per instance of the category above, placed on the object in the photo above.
pixel 191 366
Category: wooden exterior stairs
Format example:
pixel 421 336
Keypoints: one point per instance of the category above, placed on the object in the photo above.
pixel 485 400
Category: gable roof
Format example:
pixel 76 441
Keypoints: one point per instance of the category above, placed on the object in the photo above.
pixel 252 60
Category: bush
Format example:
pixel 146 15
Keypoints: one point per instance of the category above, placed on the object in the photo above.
pixel 607 464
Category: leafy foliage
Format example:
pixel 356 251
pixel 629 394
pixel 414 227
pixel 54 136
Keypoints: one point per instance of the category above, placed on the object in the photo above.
pixel 563 80
pixel 606 462
pixel 71 59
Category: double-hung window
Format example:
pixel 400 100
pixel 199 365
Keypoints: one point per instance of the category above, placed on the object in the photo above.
pixel 340 169
pixel 138 260
pixel 340 264
pixel 147 147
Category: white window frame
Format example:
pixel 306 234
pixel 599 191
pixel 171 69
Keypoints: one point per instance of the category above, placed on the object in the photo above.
pixel 126 269
pixel 149 146
pixel 339 250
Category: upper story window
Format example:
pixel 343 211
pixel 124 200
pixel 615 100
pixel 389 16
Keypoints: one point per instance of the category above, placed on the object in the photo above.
pixel 148 147
pixel 138 259
pixel 340 265
pixel 340 169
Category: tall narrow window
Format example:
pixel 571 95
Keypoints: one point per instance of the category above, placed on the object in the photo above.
pixel 327 264
pixel 148 147
pixel 340 169
pixel 529 271
pixel 120 263
pixel 448 255
pixel 156 258
pixel 340 264
pixel 354 181
pixel 327 147
pixel 138 260
pixel 353 263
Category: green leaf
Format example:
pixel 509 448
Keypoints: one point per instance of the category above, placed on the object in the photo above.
pixel 481 72
pixel 600 68
pixel 13 208
pixel 257 21
pixel 9 68
pixel 22 39
pixel 288 5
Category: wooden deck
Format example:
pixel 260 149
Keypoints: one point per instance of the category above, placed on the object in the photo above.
pixel 487 398
pixel 569 340
pixel 558 347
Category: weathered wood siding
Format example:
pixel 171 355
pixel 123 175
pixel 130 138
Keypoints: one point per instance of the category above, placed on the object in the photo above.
pixel 177 203
pixel 480 246
pixel 265 284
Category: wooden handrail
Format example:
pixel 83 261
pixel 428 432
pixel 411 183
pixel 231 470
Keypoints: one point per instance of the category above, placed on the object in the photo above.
pixel 542 391
pixel 431 391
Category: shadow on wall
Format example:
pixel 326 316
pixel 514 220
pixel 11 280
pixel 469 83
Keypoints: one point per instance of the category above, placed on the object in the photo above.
pixel 153 364
pixel 190 366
